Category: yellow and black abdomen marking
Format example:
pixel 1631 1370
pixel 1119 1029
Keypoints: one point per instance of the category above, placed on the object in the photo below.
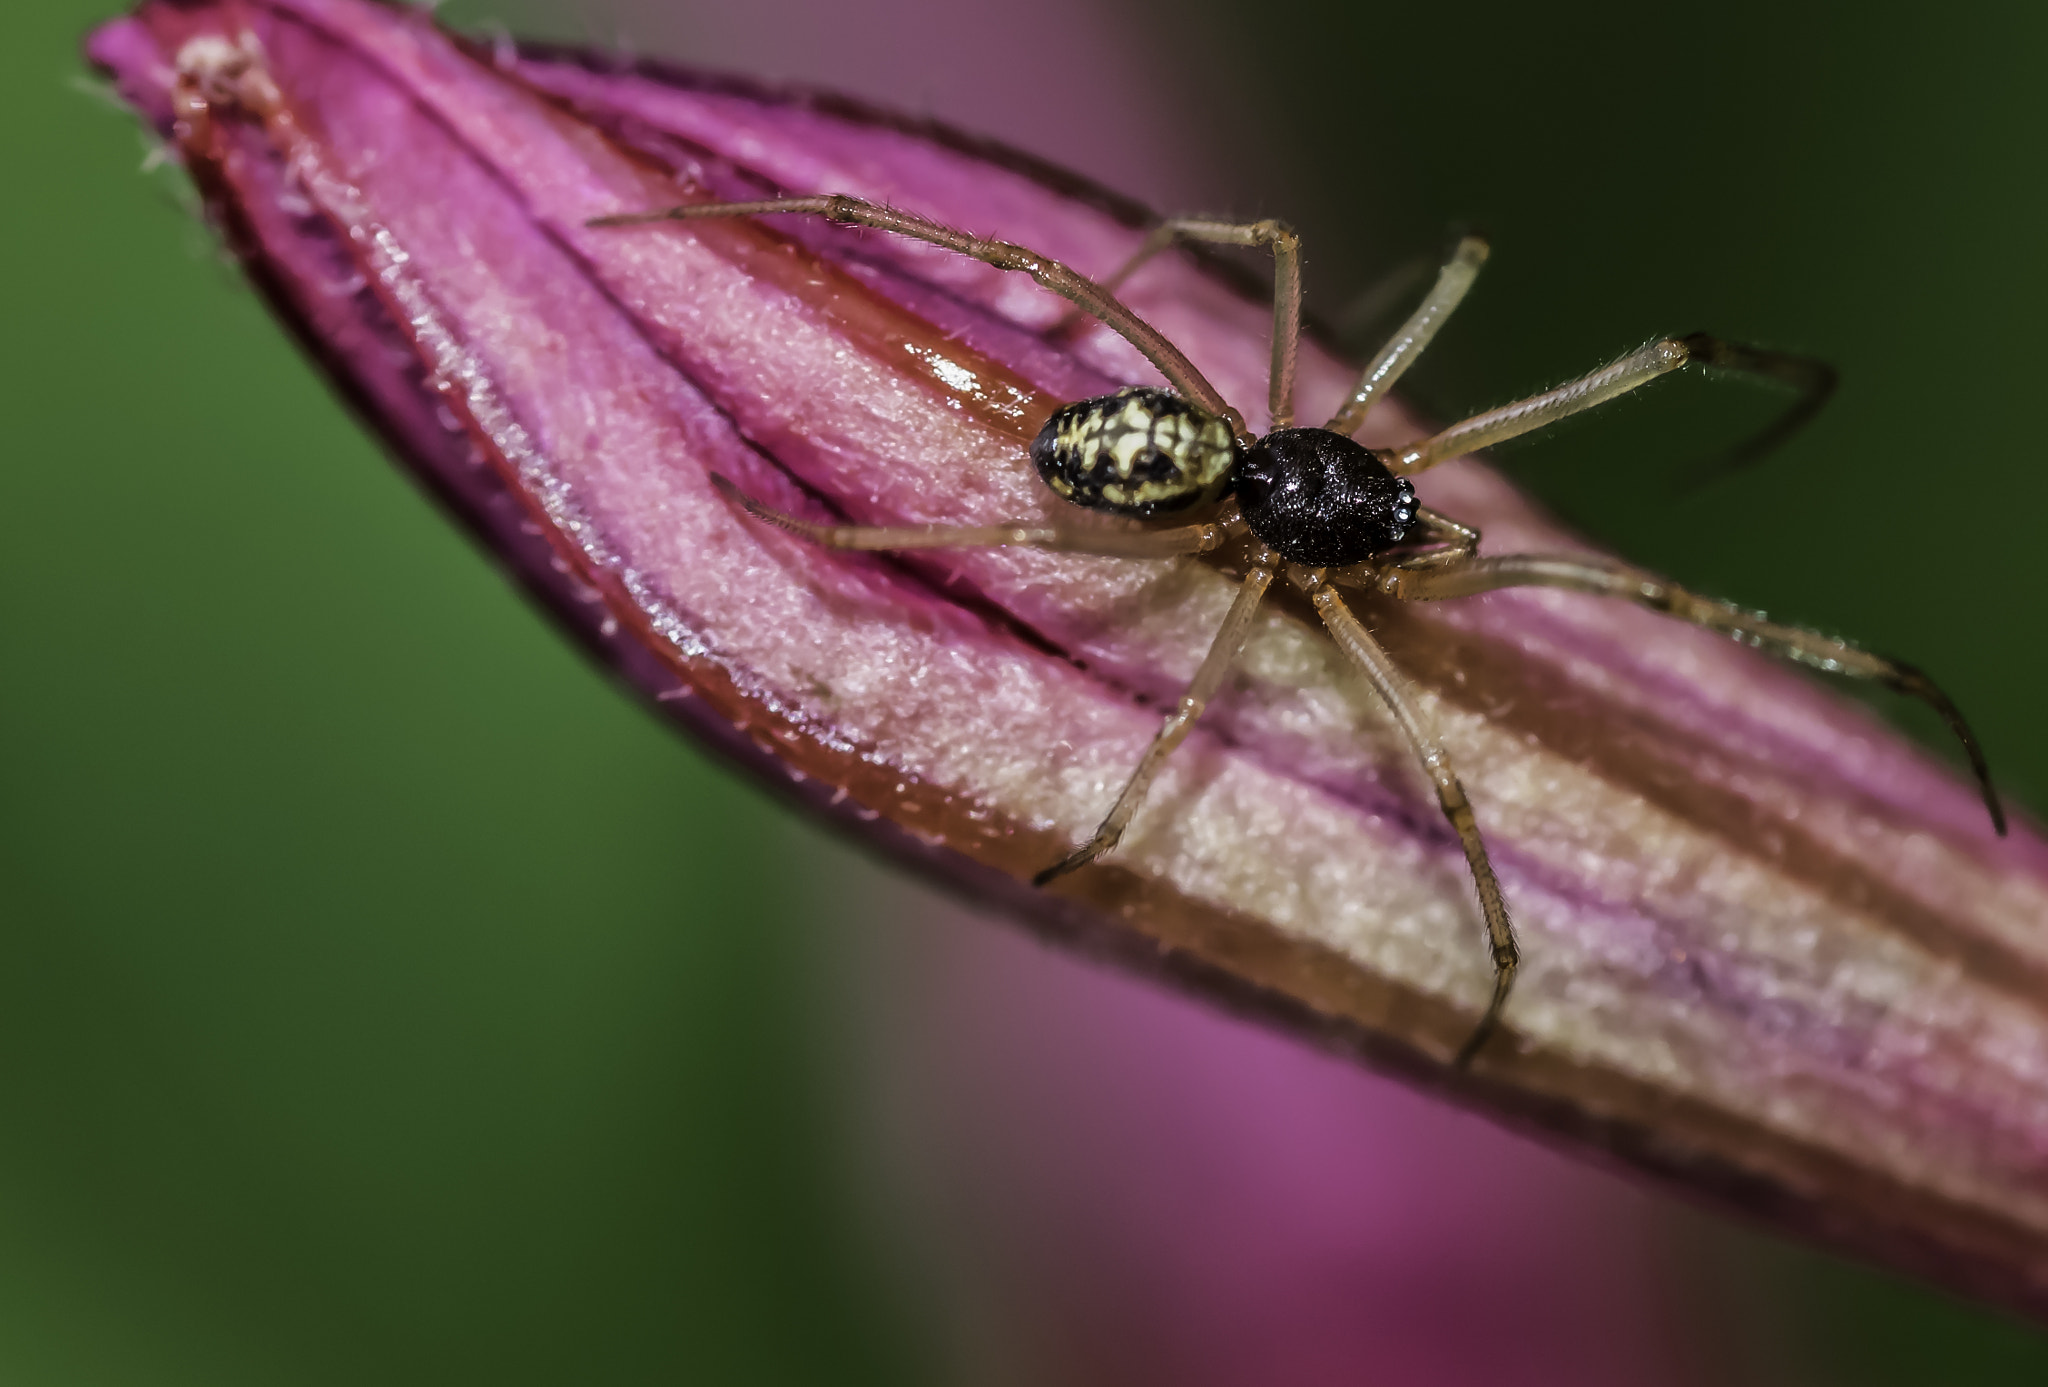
pixel 1139 452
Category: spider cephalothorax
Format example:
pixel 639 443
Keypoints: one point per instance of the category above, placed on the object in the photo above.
pixel 1314 505
pixel 1320 500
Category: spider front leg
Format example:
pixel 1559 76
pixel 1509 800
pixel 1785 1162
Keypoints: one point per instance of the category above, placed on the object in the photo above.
pixel 1667 354
pixel 1392 687
pixel 1223 651
pixel 1608 578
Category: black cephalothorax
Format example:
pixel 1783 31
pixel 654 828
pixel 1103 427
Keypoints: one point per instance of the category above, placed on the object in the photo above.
pixel 1315 507
pixel 1321 500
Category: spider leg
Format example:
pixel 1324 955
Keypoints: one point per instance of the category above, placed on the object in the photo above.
pixel 1607 578
pixel 1067 539
pixel 1392 687
pixel 1286 247
pixel 1453 281
pixel 1077 289
pixel 1216 664
pixel 1638 368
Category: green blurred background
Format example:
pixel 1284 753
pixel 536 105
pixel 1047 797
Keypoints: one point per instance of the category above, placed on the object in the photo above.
pixel 384 996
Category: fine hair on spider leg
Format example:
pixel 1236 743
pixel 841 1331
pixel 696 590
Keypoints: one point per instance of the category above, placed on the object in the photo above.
pixel 1315 506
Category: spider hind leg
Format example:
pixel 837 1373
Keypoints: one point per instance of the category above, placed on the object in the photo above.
pixel 1027 534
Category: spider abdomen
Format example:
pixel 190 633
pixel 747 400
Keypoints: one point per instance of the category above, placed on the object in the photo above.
pixel 1320 500
pixel 1138 452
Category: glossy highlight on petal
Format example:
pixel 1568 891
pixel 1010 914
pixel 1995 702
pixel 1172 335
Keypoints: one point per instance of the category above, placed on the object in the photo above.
pixel 1771 952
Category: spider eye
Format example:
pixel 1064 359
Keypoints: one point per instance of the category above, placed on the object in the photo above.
pixel 1404 509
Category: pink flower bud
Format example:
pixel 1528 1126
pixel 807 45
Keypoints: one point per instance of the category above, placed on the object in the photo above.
pixel 1771 952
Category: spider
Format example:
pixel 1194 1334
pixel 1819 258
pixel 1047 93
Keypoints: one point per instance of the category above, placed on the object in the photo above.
pixel 1313 505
